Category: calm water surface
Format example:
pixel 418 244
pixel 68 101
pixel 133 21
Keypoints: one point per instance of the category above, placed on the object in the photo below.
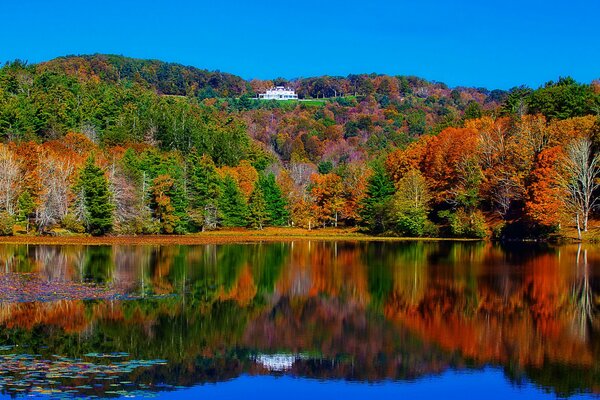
pixel 300 320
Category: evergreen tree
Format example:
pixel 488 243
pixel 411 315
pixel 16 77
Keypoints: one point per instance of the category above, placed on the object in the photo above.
pixel 97 203
pixel 131 167
pixel 375 206
pixel 275 203
pixel 26 208
pixel 257 209
pixel 154 165
pixel 232 205
pixel 203 190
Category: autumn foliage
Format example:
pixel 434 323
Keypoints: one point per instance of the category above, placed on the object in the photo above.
pixel 171 144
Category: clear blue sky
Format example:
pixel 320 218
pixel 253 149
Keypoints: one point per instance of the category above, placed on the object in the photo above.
pixel 491 43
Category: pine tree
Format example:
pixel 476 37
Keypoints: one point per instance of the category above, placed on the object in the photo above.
pixel 26 208
pixel 275 203
pixel 203 190
pixel 96 198
pixel 375 206
pixel 257 209
pixel 232 205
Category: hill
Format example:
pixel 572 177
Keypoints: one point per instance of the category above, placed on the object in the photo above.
pixel 473 153
pixel 163 77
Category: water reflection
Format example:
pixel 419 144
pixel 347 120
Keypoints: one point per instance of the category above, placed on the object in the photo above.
pixel 362 312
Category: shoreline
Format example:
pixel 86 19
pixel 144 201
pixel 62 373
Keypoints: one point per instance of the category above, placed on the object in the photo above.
pixel 270 234
pixel 220 237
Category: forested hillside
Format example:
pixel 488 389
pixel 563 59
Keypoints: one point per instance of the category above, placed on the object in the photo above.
pixel 108 144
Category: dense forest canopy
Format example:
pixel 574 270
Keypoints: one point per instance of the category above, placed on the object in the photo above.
pixel 181 149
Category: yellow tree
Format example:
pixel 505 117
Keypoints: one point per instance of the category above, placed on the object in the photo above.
pixel 328 193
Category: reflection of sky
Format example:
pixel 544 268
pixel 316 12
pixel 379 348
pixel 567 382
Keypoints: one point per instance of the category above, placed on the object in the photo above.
pixel 487 384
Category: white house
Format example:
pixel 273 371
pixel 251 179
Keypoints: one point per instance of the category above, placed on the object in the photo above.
pixel 279 93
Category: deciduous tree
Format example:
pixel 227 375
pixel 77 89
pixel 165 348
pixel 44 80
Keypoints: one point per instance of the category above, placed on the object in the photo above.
pixel 546 195
pixel 411 204
pixel 582 169
pixel 162 205
pixel 10 180
pixel 327 191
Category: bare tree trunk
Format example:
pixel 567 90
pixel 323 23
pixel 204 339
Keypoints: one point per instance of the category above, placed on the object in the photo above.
pixel 583 169
pixel 10 178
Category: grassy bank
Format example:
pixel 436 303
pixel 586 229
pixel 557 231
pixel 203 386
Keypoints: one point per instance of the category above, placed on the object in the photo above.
pixel 237 235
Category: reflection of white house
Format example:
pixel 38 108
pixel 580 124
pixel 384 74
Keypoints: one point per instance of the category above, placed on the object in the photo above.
pixel 279 93
pixel 278 362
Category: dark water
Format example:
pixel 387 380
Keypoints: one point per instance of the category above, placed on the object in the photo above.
pixel 301 320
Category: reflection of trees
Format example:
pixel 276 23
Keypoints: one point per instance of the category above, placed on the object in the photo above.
pixel 67 316
pixel 316 268
pixel 14 258
pixel 496 307
pixel 582 295
pixel 98 265
pixel 60 262
pixel 132 266
pixel 266 262
pixel 410 272
pixel 354 310
pixel 379 274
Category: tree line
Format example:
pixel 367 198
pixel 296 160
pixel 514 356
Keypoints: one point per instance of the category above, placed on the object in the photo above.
pixel 85 149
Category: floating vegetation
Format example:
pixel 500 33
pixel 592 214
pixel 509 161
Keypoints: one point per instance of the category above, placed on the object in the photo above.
pixel 106 355
pixel 24 288
pixel 63 377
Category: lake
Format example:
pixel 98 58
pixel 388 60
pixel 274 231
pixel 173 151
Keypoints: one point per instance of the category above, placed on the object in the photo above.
pixel 299 319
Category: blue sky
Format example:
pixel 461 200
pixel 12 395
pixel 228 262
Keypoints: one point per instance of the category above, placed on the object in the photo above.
pixel 494 43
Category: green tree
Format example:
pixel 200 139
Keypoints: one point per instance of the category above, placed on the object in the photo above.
pixel 232 205
pixel 25 208
pixel 463 224
pixel 375 206
pixel 96 198
pixel 204 189
pixel 153 165
pixel 417 123
pixel 257 209
pixel 563 99
pixel 464 219
pixel 472 111
pixel 275 204
pixel 517 101
pixel 325 167
pixel 411 205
